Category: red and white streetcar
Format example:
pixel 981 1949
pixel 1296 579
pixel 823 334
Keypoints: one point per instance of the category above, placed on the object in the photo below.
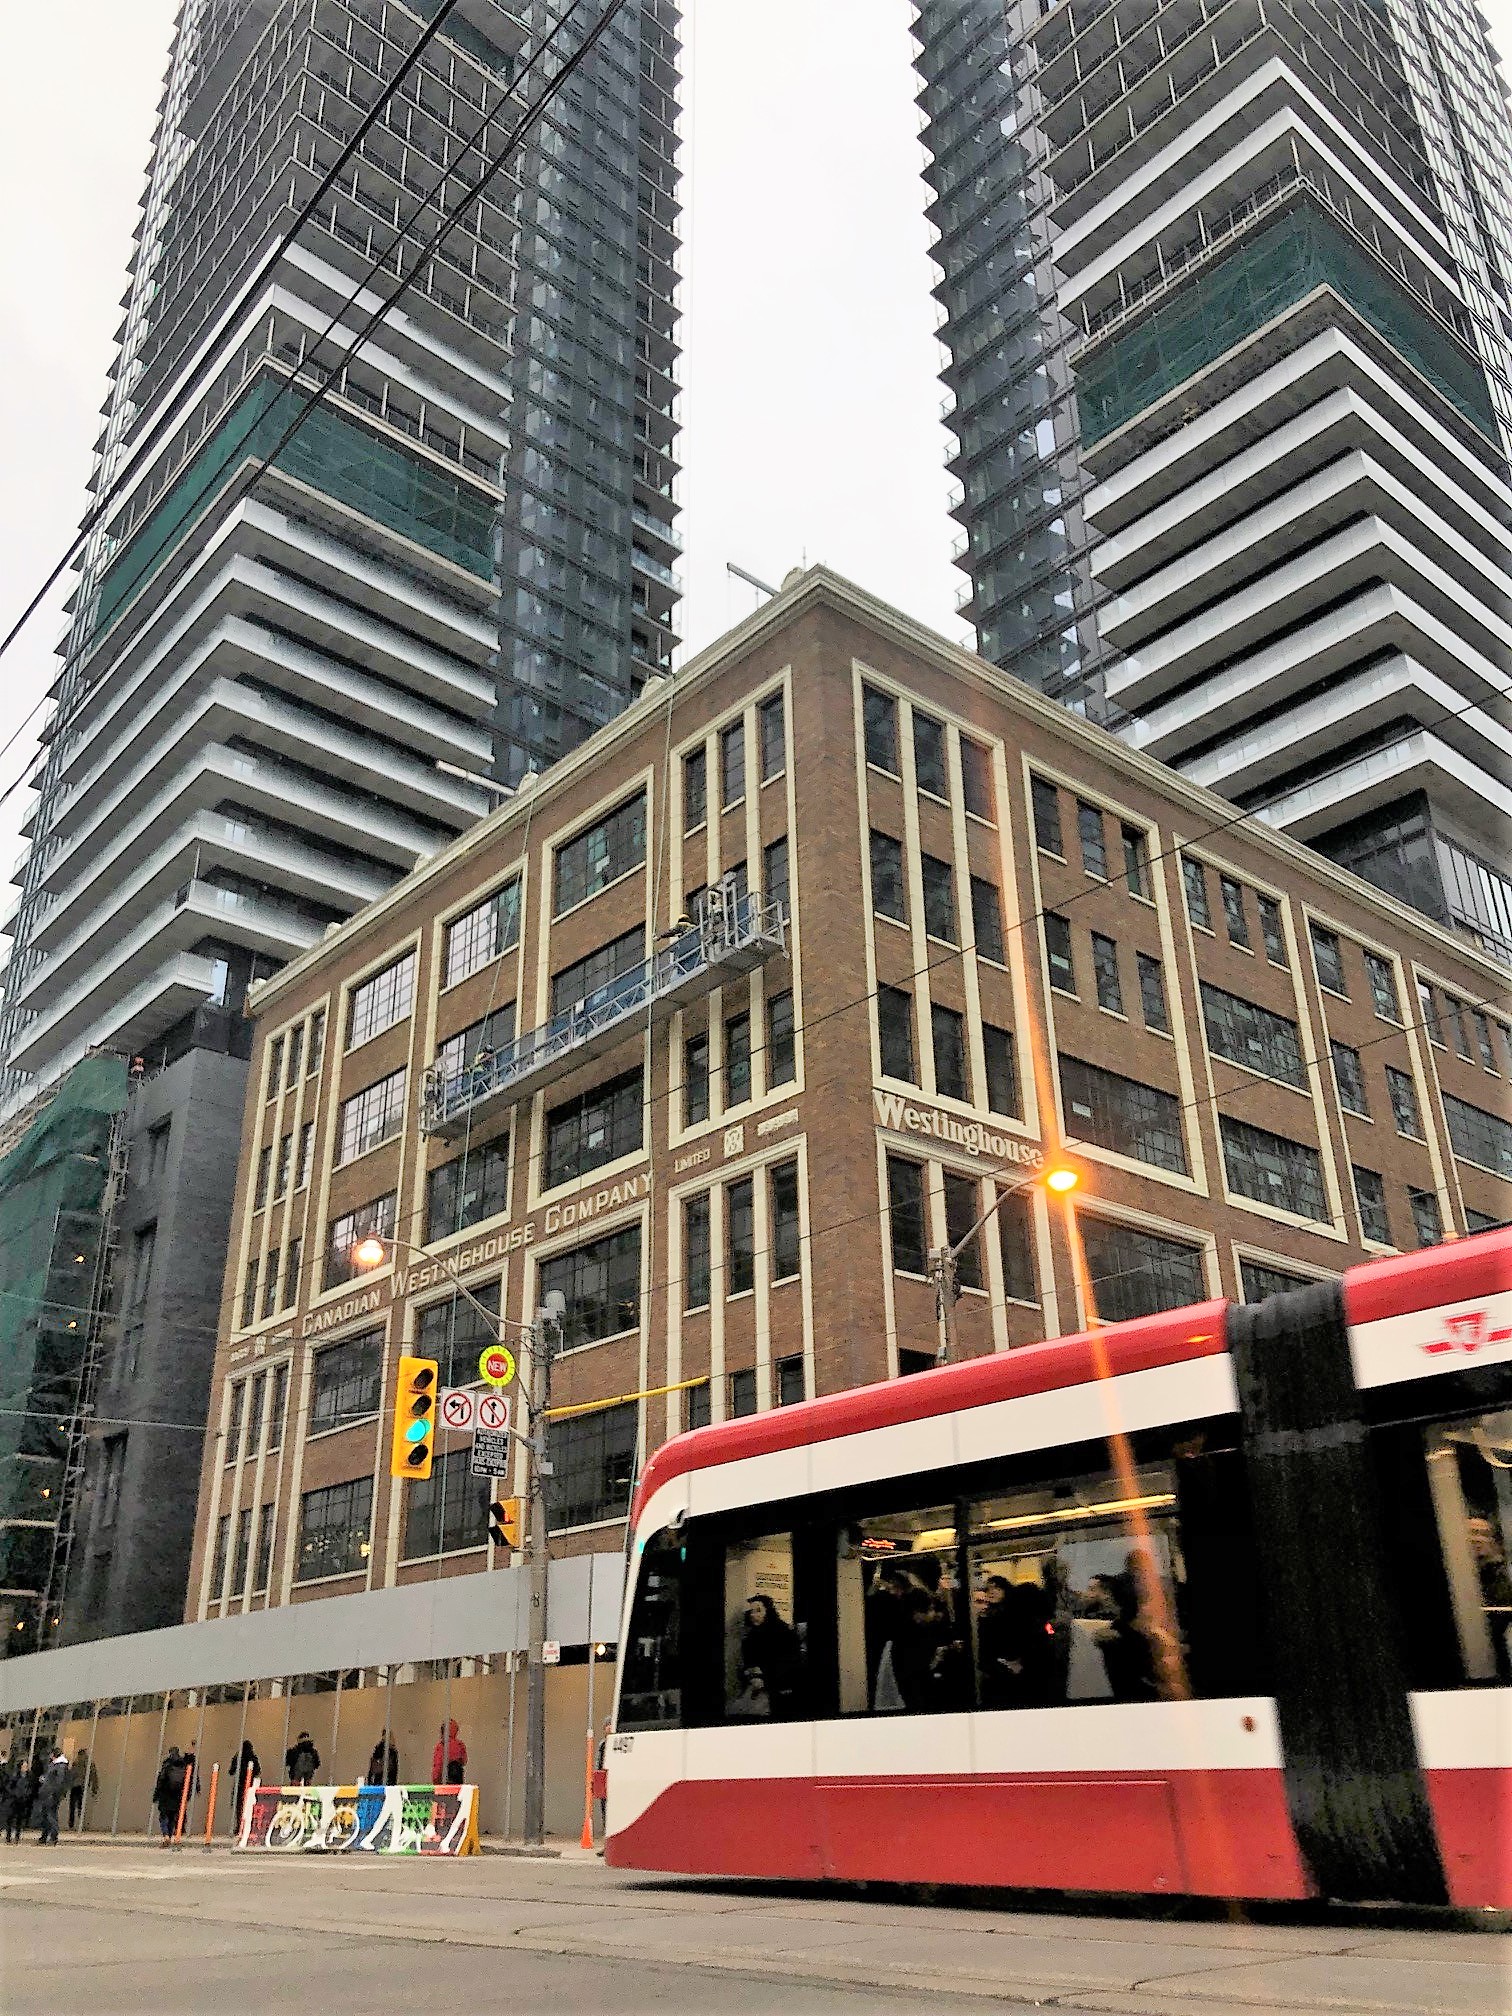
pixel 1214 1602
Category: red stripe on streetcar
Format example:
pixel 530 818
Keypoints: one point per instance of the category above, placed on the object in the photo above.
pixel 1172 1338
pixel 1458 1271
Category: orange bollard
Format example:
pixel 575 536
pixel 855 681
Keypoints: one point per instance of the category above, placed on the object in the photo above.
pixel 587 1838
pixel 178 1825
pixel 210 1809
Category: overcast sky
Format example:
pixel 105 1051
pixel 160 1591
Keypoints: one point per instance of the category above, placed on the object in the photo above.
pixel 811 408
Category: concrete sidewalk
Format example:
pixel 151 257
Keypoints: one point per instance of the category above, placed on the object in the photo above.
pixel 1079 1959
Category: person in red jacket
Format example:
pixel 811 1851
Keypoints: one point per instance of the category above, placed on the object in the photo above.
pixel 449 1759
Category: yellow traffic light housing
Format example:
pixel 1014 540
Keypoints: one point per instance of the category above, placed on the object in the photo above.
pixel 504 1522
pixel 414 1444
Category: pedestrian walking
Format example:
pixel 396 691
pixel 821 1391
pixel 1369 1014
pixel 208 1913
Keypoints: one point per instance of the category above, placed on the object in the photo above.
pixel 449 1759
pixel 49 1795
pixel 83 1782
pixel 13 1803
pixel 383 1770
pixel 301 1760
pixel 246 1771
pixel 168 1791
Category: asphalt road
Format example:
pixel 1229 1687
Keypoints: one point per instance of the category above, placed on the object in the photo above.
pixel 92 1930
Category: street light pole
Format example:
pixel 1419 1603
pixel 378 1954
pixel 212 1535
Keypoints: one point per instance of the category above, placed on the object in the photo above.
pixel 944 1260
pixel 541 1347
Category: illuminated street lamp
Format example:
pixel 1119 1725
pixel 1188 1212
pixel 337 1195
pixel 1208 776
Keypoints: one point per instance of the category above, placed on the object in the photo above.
pixel 1061 1178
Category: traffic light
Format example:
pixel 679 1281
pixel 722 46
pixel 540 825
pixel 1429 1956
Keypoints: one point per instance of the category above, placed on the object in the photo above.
pixel 414 1418
pixel 504 1522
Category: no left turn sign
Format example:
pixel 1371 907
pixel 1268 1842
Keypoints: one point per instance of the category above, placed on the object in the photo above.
pixel 459 1408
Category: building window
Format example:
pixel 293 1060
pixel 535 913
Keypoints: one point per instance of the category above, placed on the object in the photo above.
pixel 962 1210
pixel 1136 855
pixel 292 1255
pixel 782 1048
pixel 482 934
pixel 790 1383
pixel 270 1286
pixel 1429 1011
pixel 454 1333
pixel 1273 931
pixel 317 1042
pixel 879 716
pixel 1047 824
pixel 593 859
pixel 222 1554
pixel 785 1234
pixel 905 1210
pixel 732 764
pixel 695 789
pixel 345 1382
pixel 112 1470
pixel 697 1252
pixel 1478 1136
pixel 1383 987
pixel 296 1055
pixel 743 1399
pixel 369 1117
pixel 774 874
pixel 1457 1022
pixel 1194 882
pixel 477 1043
pixel 139 1266
pixel 1105 974
pixel 306 1155
pixel 976 779
pixel 448 1510
pixel 1404 1103
pixel 1234 917
pixel 1427 1219
pixel 334 1525
pixel 1258 1280
pixel 895 1034
pixel 1152 995
pixel 275 1068
pixel 1370 1193
pixel 263 1568
pixel 888 898
pixel 249 1293
pixel 243 1557
pixel 929 755
pixel 264 1182
pixel 344 1234
pixel 987 920
pixel 771 727
pixel 695 1080
pixel 1135 1273
pixel 1328 959
pixel 737 1060
pixel 601 1284
pixel 468 1189
pixel 1094 847
pixel 1015 1222
pixel 1058 952
pixel 377 1004
pixel 595 1127
pixel 939 899
pixel 285 1165
pixel 277 1404
pixel 1243 1033
pixel 593 1465
pixel 1273 1170
pixel 1350 1079
pixel 948 1031
pixel 700 1405
pixel 1002 1071
pixel 740 1241
pixel 589 982
pixel 157 1150
pixel 1122 1115
pixel 1482 1039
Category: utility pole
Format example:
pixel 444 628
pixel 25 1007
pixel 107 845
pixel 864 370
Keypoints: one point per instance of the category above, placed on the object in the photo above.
pixel 944 1267
pixel 545 1339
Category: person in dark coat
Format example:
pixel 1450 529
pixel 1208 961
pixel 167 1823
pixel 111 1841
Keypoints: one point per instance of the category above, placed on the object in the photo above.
pixel 13 1806
pixel 381 1770
pixel 245 1765
pixel 168 1791
pixel 49 1795
pixel 83 1783
pixel 301 1760
pixel 769 1653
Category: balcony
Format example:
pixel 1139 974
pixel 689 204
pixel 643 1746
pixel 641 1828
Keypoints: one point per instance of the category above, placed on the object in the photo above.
pixel 735 934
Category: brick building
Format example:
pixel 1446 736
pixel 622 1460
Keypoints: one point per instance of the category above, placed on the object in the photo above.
pixel 952 927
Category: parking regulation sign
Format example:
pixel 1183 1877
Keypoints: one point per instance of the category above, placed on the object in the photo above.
pixel 496 1367
pixel 459 1408
pixel 490 1452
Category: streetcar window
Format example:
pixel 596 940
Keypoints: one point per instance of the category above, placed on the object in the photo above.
pixel 901 1627
pixel 1077 1593
pixel 650 1690
pixel 1470 1478
pixel 765 1647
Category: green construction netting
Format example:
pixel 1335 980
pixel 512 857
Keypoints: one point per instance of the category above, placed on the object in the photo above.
pixel 331 453
pixel 1240 293
pixel 51 1185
